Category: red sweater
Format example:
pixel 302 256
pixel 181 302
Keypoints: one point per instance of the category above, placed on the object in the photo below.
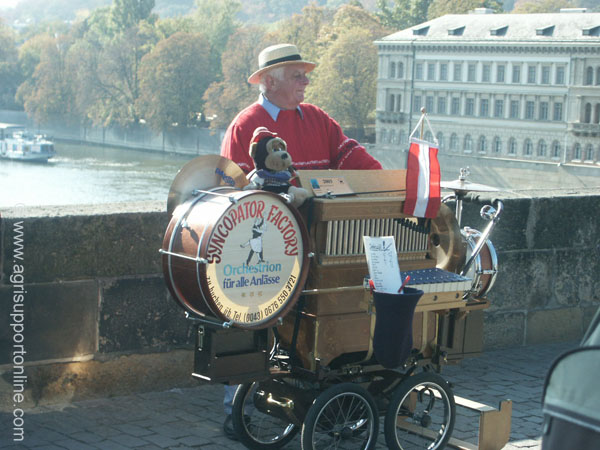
pixel 314 140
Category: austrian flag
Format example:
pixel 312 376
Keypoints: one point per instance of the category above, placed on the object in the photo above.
pixel 422 180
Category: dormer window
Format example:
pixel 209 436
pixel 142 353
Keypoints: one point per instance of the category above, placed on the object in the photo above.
pixel 501 31
pixel 593 31
pixel 545 31
pixel 421 31
pixel 458 31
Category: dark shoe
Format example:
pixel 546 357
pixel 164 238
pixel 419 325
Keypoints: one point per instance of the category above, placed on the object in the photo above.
pixel 228 429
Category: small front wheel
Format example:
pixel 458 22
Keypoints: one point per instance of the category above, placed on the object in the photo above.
pixel 256 429
pixel 421 413
pixel 343 416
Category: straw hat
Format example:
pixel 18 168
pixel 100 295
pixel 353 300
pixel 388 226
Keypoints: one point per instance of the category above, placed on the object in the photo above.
pixel 278 55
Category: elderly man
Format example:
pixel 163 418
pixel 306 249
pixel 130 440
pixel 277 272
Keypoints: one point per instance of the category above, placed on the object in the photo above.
pixel 314 140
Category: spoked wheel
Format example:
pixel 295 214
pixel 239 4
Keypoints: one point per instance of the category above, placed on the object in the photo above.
pixel 421 413
pixel 257 429
pixel 344 416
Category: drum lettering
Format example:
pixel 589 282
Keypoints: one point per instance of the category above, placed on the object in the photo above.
pixel 228 224
pixel 291 247
pixel 228 283
pixel 253 316
pixel 264 279
pixel 237 316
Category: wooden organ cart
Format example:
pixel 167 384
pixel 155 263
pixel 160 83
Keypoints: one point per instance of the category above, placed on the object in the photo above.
pixel 296 331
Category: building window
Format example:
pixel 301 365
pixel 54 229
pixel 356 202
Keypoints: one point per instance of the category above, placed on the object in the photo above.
pixel 441 105
pixel 428 136
pixel 471 72
pixel 398 102
pixel 545 74
pixel 577 152
pixel 516 74
pixel 529 109
pixel 468 147
pixel 543 110
pixel 419 71
pixel 560 75
pixel 557 113
pixel 589 153
pixel 457 71
pixel 484 107
pixel 498 108
pixel 597 113
pixel 429 103
pixel 470 107
pixel 589 76
pixel 417 104
pixel 597 76
pixel 453 142
pixel 497 146
pixel 431 71
pixel 531 74
pixel 400 72
pixel 393 70
pixel 390 105
pixel 392 136
pixel 514 109
pixel 542 148
pixel 556 149
pixel 455 106
pixel 482 145
pixel 527 147
pixel 500 74
pixel 444 72
pixel 512 146
pixel 485 73
pixel 383 136
pixel 588 113
pixel 440 140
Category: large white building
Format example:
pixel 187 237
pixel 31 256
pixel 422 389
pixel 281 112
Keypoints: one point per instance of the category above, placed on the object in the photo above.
pixel 523 86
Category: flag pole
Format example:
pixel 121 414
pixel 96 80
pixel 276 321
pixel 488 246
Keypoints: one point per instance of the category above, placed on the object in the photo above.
pixel 423 111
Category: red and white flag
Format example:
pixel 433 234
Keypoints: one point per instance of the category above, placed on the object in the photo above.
pixel 423 195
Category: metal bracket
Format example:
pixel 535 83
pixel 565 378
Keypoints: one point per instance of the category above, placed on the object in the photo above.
pixel 179 255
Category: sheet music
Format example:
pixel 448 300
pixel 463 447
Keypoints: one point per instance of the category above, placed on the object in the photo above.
pixel 382 261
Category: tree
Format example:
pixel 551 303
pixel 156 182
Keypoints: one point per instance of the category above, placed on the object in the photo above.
pixel 47 94
pixel 173 78
pixel 347 80
pixel 442 7
pixel 106 74
pixel 224 99
pixel 10 75
pixel 540 6
pixel 403 14
pixel 126 14
pixel 217 21
pixel 304 31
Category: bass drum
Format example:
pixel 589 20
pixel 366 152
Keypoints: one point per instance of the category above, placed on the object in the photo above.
pixel 237 256
pixel 484 268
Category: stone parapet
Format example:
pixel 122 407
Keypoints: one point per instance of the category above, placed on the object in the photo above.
pixel 95 305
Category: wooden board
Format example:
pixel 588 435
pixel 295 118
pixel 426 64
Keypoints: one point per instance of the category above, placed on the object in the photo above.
pixel 360 180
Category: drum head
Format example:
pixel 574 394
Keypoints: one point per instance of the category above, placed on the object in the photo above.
pixel 204 172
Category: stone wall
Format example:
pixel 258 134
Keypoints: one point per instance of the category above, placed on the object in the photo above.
pixel 98 319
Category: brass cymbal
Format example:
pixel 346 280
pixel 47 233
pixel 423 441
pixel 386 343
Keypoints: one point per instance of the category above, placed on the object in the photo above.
pixel 204 172
pixel 447 245
pixel 467 186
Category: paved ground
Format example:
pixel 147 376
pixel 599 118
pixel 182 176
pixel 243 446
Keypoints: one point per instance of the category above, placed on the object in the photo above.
pixel 192 418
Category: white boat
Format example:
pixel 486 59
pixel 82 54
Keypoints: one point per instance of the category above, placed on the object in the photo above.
pixel 17 144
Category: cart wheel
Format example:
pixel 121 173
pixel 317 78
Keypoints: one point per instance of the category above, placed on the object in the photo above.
pixel 256 429
pixel 421 413
pixel 344 416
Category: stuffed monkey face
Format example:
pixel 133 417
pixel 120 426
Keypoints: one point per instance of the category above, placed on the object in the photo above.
pixel 278 158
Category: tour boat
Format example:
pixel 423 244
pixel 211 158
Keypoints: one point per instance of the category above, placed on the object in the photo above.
pixel 17 144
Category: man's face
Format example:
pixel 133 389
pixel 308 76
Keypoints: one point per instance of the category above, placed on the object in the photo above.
pixel 289 92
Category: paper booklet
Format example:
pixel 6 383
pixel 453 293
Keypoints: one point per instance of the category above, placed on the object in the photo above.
pixel 382 260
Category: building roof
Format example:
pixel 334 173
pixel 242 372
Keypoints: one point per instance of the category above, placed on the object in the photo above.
pixel 579 27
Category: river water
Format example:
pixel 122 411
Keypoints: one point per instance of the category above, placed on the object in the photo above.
pixel 81 174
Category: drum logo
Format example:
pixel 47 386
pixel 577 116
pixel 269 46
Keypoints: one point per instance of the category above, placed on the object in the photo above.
pixel 255 256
